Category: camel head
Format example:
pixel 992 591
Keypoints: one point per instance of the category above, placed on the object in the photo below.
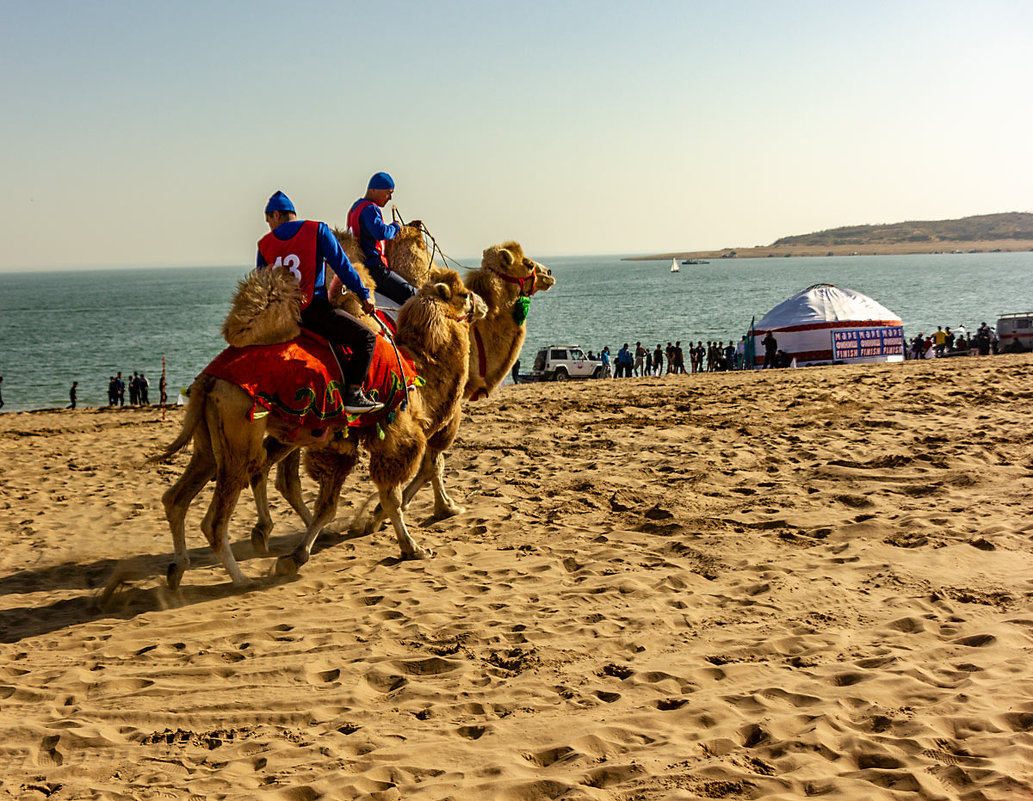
pixel 408 255
pixel 457 302
pixel 509 262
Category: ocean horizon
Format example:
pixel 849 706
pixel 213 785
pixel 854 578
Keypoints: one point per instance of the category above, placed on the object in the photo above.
pixel 86 325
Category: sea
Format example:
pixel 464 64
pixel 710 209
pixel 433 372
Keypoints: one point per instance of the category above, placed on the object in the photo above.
pixel 87 325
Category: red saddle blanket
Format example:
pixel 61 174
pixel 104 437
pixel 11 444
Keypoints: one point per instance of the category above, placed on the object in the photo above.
pixel 299 381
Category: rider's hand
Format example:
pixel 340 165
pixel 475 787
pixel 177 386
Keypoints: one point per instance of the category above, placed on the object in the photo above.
pixel 369 307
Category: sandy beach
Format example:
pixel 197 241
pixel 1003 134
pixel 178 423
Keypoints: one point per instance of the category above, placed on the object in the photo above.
pixel 794 584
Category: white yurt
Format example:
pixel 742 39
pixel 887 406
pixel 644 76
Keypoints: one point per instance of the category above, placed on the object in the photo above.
pixel 826 323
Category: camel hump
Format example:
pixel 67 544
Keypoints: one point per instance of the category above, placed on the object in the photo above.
pixel 265 310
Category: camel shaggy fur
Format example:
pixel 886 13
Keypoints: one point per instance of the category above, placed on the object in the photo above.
pixel 235 450
pixel 407 254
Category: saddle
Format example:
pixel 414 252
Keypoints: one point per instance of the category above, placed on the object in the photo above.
pixel 300 381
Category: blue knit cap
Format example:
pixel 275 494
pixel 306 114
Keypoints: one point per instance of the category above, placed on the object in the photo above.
pixel 279 202
pixel 381 181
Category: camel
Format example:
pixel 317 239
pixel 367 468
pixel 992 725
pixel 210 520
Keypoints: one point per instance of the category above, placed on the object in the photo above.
pixel 235 450
pixel 505 280
pixel 433 329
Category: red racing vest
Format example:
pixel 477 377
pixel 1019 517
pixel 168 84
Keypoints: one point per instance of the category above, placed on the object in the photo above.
pixel 298 255
pixel 355 226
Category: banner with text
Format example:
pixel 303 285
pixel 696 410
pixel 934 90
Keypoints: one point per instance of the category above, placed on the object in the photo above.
pixel 855 343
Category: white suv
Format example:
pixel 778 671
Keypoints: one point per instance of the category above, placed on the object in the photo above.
pixel 560 362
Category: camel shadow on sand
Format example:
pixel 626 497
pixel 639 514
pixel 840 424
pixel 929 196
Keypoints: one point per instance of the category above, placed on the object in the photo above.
pixel 109 591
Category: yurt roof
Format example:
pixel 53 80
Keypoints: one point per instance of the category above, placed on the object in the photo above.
pixel 823 303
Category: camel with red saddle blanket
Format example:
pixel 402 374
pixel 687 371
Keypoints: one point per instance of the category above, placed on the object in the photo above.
pixel 229 420
pixel 505 280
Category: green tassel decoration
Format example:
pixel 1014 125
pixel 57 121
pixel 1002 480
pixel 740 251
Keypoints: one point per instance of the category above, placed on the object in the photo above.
pixel 520 309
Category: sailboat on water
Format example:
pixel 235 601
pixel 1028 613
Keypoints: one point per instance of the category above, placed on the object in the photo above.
pixel 674 266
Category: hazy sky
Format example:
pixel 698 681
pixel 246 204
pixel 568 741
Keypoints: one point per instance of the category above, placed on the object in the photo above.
pixel 151 133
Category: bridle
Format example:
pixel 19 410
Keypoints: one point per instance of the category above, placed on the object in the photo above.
pixel 526 283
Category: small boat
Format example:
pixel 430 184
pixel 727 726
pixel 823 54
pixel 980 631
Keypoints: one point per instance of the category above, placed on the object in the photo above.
pixel 674 266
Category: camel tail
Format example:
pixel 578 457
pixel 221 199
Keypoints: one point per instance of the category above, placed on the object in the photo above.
pixel 194 418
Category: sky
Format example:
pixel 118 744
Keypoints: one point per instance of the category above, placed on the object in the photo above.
pixel 145 133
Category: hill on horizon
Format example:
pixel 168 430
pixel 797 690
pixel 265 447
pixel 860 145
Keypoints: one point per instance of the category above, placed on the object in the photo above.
pixel 979 228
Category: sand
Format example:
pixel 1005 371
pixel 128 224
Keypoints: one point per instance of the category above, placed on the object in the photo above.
pixel 794 584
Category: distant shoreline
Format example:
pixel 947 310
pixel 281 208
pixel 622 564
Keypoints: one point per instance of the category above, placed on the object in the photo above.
pixel 873 249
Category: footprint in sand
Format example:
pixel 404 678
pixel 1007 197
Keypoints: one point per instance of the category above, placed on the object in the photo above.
pixel 48 755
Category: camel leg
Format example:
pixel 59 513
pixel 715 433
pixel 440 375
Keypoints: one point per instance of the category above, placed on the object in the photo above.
pixel 335 469
pixel 275 451
pixel 392 462
pixel 391 500
pixel 288 484
pixel 444 506
pixel 238 447
pixel 432 469
pixel 176 501
pixel 366 522
pixel 216 527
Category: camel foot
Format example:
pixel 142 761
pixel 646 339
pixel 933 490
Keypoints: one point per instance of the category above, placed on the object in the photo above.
pixel 361 527
pixel 448 511
pixel 290 564
pixel 260 541
pixel 174 575
pixel 418 553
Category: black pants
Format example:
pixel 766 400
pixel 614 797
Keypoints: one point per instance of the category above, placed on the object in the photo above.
pixel 391 285
pixel 342 328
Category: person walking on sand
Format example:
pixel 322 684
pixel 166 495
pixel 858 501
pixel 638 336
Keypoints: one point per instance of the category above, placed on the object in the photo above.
pixel 305 248
pixel 73 394
pixel 367 225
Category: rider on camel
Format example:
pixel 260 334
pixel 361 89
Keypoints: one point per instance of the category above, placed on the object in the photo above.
pixel 305 247
pixel 367 225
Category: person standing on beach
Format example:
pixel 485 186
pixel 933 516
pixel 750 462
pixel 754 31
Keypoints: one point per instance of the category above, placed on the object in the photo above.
pixel 120 389
pixel 1 392
pixel 305 247
pixel 73 394
pixel 367 225
pixel 770 350
pixel 640 359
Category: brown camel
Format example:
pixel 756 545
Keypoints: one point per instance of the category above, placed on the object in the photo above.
pixel 433 329
pixel 234 450
pixel 506 275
